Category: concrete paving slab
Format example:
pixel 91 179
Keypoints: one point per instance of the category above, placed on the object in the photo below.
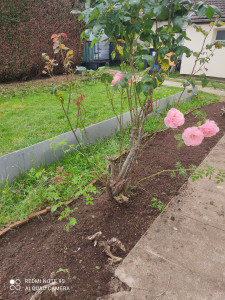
pixel 210 210
pixel 162 280
pixel 182 255
pixel 188 243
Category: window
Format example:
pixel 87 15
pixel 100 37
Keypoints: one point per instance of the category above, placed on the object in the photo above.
pixel 220 35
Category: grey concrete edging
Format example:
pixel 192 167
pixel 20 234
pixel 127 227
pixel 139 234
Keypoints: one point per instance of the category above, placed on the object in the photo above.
pixel 16 163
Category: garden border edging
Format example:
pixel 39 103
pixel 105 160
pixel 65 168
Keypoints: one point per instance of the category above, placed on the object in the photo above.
pixel 18 162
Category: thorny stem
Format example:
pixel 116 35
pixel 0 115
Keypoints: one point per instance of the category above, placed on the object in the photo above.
pixel 112 104
pixel 78 142
pixel 195 63
pixel 121 128
pixel 66 112
pixel 159 173
pixel 203 46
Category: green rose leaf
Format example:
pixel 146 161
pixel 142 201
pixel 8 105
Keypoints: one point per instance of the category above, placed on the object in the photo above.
pixel 150 59
pixel 106 78
pixel 178 22
pixel 162 12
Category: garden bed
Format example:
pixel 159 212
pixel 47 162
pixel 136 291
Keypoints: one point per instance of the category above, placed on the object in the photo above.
pixel 42 246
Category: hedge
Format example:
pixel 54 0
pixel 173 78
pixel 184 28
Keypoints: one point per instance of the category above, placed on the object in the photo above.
pixel 26 27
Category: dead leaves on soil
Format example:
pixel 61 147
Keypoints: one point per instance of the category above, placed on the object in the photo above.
pixel 109 246
pixel 58 179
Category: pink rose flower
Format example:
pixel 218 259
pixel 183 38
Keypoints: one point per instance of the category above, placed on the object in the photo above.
pixel 209 128
pixel 192 136
pixel 174 118
pixel 117 78
pixel 131 80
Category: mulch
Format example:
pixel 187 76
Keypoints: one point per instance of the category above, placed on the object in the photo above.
pixel 42 246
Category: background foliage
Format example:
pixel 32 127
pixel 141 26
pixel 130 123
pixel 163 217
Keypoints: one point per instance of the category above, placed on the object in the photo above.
pixel 25 30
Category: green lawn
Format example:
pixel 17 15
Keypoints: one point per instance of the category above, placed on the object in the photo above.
pixel 30 114
pixel 37 189
pixel 177 77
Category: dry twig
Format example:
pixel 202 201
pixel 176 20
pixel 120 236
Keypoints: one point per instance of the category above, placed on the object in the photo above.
pixel 39 292
pixel 113 242
pixel 95 237
pixel 223 111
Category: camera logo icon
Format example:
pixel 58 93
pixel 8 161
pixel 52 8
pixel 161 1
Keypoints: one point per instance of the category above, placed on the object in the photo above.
pixel 15 285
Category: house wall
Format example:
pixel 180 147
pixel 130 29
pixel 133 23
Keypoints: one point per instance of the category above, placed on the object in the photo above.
pixel 216 67
pixel 160 23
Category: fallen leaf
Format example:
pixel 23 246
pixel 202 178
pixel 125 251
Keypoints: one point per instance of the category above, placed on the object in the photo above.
pixel 60 169
pixel 67 174
pixel 58 179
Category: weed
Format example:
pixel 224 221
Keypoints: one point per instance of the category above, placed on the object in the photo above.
pixel 157 204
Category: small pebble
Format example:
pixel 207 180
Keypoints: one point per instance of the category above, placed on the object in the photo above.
pixel 157 229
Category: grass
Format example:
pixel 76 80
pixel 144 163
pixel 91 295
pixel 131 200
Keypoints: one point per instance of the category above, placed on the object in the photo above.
pixel 177 77
pixel 37 188
pixel 118 68
pixel 175 74
pixel 30 114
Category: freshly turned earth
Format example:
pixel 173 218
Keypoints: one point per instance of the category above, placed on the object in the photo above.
pixel 42 246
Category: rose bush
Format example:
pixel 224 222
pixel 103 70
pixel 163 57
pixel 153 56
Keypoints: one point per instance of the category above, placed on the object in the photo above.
pixel 133 27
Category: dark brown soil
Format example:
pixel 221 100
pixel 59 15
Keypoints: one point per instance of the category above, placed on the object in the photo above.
pixel 42 246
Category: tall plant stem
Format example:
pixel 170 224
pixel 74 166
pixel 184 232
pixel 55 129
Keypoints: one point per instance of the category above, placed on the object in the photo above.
pixel 80 145
pixel 159 173
pixel 195 63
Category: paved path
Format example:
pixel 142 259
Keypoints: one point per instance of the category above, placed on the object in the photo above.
pixel 182 255
pixel 206 89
